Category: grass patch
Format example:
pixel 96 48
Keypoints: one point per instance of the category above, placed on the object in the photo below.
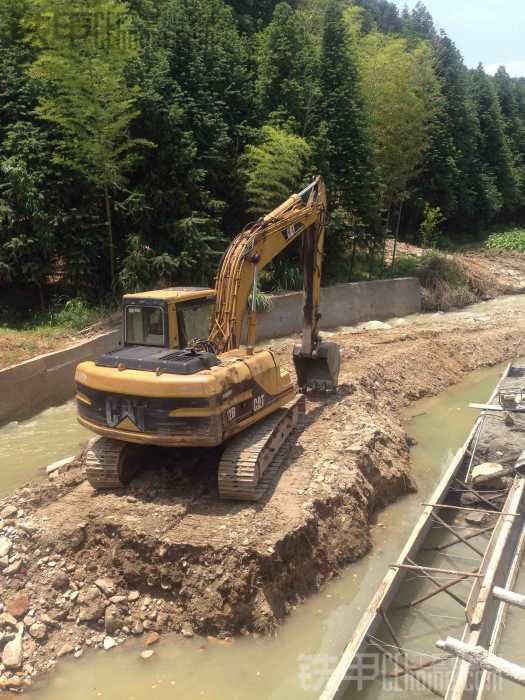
pixel 445 283
pixel 22 338
pixel 507 241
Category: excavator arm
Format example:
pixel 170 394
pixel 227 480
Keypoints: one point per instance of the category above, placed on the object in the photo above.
pixel 302 216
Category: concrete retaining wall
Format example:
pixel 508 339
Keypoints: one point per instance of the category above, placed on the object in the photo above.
pixel 343 305
pixel 48 380
pixel 31 386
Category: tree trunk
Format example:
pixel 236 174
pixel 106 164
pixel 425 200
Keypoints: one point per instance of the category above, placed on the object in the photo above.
pixel 41 296
pixel 387 224
pixel 398 226
pixel 352 259
pixel 111 245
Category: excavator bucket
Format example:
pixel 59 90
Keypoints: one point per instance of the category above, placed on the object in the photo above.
pixel 320 371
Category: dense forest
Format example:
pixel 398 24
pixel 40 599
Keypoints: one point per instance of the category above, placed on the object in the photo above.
pixel 136 138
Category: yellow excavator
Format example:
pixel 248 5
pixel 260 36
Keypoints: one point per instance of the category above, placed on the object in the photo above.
pixel 182 379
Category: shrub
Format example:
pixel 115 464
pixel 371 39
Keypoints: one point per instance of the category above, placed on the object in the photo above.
pixel 405 266
pixel 431 227
pixel 75 314
pixel 512 240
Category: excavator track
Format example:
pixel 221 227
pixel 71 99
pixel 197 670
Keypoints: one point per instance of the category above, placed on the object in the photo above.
pixel 111 464
pixel 251 461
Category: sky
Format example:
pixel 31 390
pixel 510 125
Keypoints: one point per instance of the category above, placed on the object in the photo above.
pixel 490 31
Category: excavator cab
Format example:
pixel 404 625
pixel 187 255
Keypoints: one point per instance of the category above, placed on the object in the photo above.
pixel 169 318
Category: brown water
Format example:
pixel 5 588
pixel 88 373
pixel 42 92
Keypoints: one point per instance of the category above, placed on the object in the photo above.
pixel 27 447
pixel 254 668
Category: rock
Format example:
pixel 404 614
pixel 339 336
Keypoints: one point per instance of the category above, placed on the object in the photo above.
pixel 13 682
pixel 109 643
pixel 38 630
pixel 118 599
pixel 112 620
pixel 14 568
pixel 13 654
pixel 5 546
pixel 469 499
pixel 28 526
pixel 60 580
pixel 187 630
pixel 65 650
pixel 18 605
pixel 48 620
pixel 107 586
pixel 9 512
pixel 162 620
pixel 476 518
pixel 7 620
pixel 133 596
pixel 137 629
pixel 147 654
pixel 56 466
pixel 92 604
pixel 152 638
pixel 485 474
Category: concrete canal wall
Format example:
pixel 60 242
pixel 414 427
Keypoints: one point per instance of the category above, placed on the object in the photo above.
pixel 36 384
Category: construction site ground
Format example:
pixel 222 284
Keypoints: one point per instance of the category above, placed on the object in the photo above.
pixel 80 569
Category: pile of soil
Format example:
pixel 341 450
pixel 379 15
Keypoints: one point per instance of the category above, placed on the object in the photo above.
pixel 82 570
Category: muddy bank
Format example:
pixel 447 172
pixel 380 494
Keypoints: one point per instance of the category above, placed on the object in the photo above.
pixel 83 570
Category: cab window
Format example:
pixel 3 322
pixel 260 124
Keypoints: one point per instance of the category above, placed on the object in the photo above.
pixel 194 320
pixel 145 325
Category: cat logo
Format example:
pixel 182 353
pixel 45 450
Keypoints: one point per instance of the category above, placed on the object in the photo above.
pixel 124 414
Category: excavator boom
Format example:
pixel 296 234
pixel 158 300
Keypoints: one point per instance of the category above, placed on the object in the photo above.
pixel 302 216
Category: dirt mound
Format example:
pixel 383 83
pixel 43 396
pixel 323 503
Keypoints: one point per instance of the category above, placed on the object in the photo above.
pixel 80 569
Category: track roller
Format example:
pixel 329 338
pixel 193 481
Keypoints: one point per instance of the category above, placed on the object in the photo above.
pixel 250 460
pixel 111 464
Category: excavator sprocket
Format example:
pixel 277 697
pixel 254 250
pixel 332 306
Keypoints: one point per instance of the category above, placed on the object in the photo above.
pixel 250 461
pixel 111 464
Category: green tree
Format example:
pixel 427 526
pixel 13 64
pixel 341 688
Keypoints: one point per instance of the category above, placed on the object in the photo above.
pixel 273 168
pixel 253 15
pixel 401 93
pixel 380 15
pixel 85 95
pixel 344 150
pixel 402 97
pixel 508 96
pixel 451 178
pixel 497 165
pixel 198 105
pixel 287 71
pixel 30 214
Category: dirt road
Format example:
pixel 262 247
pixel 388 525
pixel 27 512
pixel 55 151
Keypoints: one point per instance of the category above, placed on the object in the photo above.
pixel 81 569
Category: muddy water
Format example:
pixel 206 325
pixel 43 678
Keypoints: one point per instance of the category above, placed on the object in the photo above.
pixel 255 668
pixel 27 447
